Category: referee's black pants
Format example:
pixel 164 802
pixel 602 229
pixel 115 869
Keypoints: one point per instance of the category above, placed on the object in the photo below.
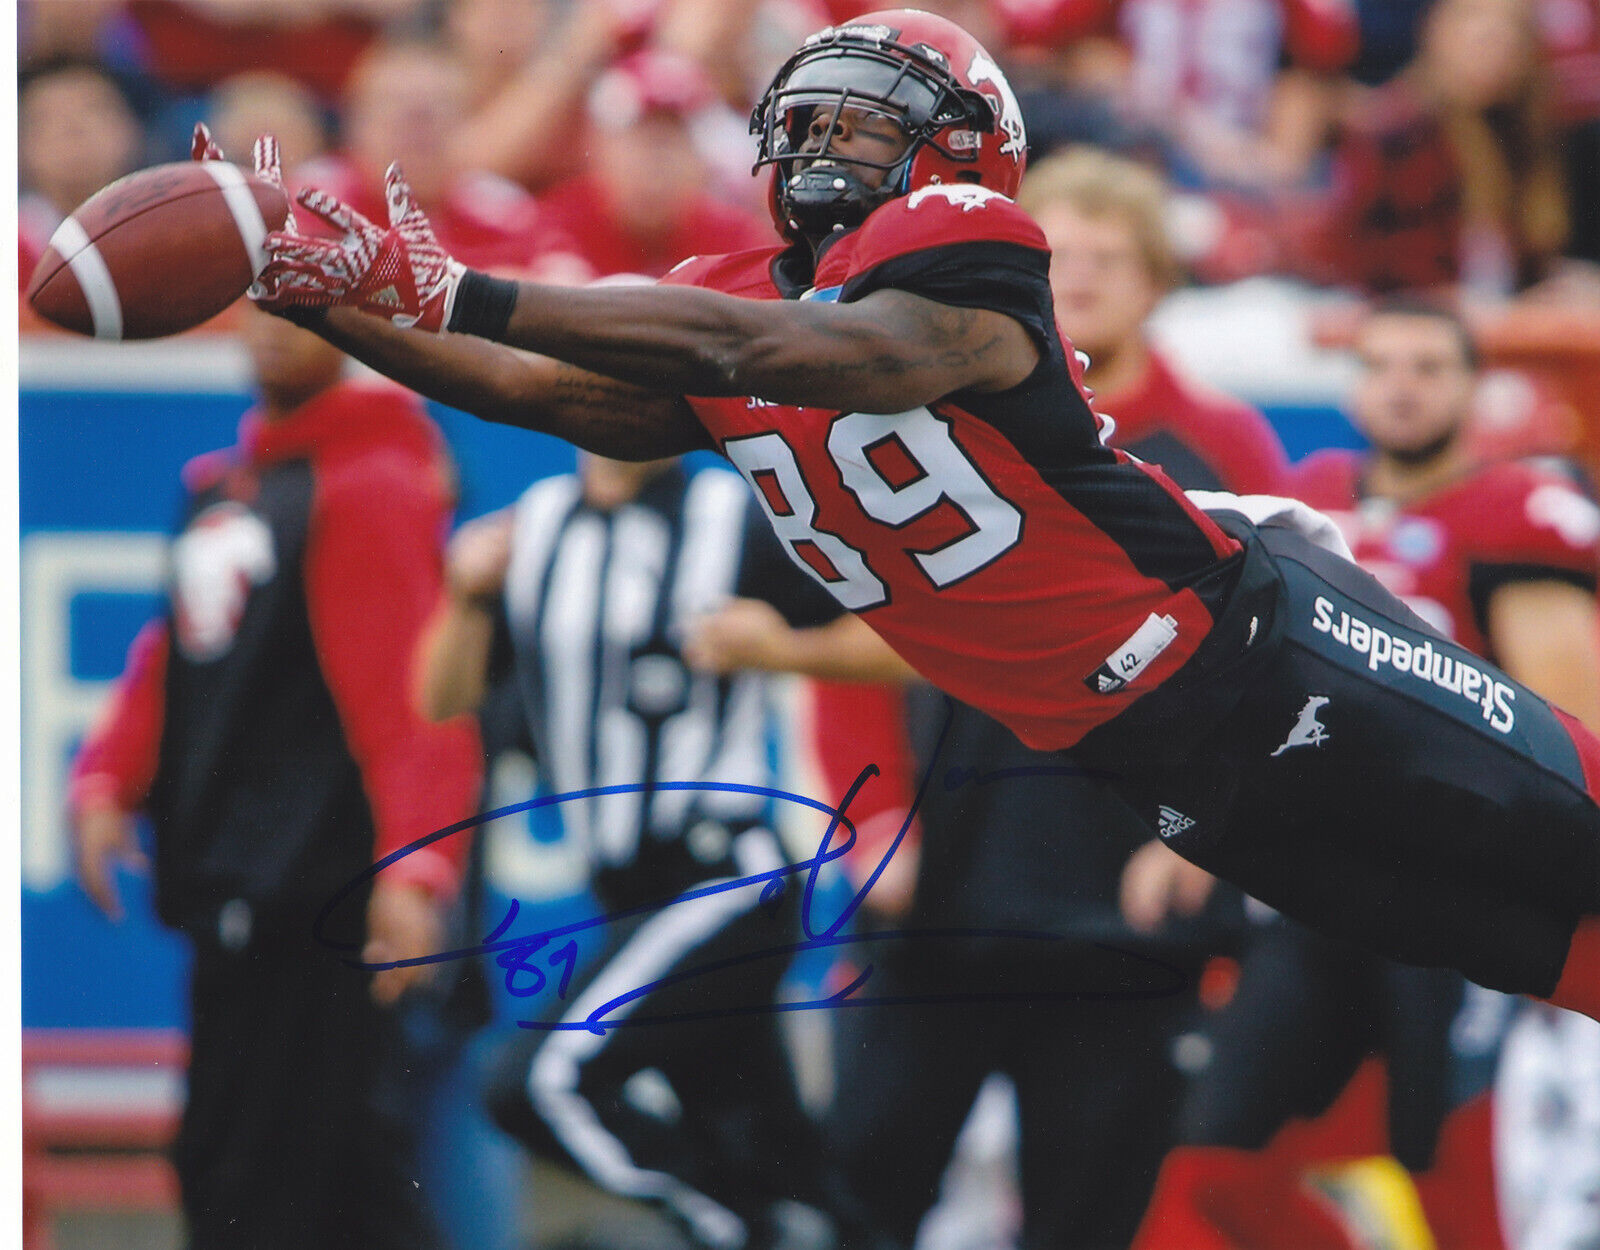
pixel 687 1100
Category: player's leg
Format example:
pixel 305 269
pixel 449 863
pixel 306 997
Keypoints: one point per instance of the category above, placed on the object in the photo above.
pixel 905 1080
pixel 1303 1016
pixel 1382 784
pixel 285 1133
pixel 1097 1092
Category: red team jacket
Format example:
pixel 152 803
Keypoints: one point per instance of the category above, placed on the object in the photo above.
pixel 994 541
pixel 1447 554
pixel 264 721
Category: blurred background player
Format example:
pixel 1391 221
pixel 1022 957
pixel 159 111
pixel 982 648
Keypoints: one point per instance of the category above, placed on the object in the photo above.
pixel 76 132
pixel 599 576
pixel 260 728
pixel 1502 557
pixel 404 100
pixel 648 197
pixel 1021 841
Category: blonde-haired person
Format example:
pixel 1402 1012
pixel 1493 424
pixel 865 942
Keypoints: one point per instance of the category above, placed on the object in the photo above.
pixel 1112 262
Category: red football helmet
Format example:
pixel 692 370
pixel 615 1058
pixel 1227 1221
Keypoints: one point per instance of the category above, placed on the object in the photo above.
pixel 927 74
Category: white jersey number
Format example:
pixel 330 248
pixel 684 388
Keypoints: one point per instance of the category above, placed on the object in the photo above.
pixel 899 467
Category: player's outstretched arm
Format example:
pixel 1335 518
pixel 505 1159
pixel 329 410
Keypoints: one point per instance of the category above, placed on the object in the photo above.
pixel 888 352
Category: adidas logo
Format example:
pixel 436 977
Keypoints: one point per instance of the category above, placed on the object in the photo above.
pixel 387 298
pixel 1173 822
pixel 1108 683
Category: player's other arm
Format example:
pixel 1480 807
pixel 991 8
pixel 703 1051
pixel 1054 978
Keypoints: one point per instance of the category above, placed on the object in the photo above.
pixel 451 675
pixel 752 634
pixel 600 414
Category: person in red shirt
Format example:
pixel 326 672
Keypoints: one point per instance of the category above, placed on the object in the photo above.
pixel 262 725
pixel 1449 175
pixel 1111 262
pixel 643 205
pixel 405 100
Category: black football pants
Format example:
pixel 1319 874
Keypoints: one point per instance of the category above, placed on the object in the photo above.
pixel 1382 784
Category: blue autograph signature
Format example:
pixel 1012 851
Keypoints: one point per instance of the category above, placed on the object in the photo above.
pixel 536 962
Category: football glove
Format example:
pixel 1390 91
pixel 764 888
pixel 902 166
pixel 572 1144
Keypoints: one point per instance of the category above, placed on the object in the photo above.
pixel 400 273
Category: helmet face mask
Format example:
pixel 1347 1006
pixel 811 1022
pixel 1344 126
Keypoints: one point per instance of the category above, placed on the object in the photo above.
pixel 893 65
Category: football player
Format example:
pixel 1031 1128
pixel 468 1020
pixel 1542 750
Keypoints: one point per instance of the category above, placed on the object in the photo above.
pixel 890 379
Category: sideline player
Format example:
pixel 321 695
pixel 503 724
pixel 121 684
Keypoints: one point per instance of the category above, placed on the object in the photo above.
pixel 260 727
pixel 919 436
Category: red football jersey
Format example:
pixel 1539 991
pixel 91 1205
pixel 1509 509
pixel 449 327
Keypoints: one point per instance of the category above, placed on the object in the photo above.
pixel 1447 554
pixel 993 540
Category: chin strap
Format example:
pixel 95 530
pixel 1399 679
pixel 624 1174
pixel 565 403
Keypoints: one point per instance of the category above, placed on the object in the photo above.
pixel 825 198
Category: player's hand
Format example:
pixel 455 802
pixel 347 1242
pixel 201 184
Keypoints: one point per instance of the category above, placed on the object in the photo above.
pixel 403 922
pixel 203 147
pixel 1158 883
pixel 742 634
pixel 400 272
pixel 103 837
pixel 479 554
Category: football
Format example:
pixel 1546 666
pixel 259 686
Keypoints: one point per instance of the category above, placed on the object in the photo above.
pixel 158 251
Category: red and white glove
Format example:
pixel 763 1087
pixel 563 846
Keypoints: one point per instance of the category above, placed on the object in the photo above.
pixel 400 273
pixel 268 163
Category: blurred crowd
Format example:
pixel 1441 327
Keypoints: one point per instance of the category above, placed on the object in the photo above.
pixel 1366 145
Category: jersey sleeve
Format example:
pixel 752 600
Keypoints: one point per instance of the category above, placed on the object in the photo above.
pixel 374 571
pixel 117 762
pixel 767 573
pixel 957 244
pixel 1531 526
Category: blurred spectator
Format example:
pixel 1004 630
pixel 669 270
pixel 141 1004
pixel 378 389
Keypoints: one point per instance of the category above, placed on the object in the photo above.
pixel 1571 33
pixel 404 103
pixel 1450 175
pixel 262 725
pixel 644 204
pixel 1238 94
pixel 48 30
pixel 1111 262
pixel 262 102
pixel 528 72
pixel 76 132
pixel 191 45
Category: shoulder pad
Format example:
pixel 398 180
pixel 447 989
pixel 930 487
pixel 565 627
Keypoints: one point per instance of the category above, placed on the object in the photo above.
pixel 940 216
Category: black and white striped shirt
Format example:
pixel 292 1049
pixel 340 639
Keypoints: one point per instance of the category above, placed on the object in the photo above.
pixel 599 604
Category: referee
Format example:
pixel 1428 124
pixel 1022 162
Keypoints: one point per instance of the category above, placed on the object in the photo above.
pixel 594 581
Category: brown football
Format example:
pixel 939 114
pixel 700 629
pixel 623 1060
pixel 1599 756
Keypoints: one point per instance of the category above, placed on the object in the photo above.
pixel 158 251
